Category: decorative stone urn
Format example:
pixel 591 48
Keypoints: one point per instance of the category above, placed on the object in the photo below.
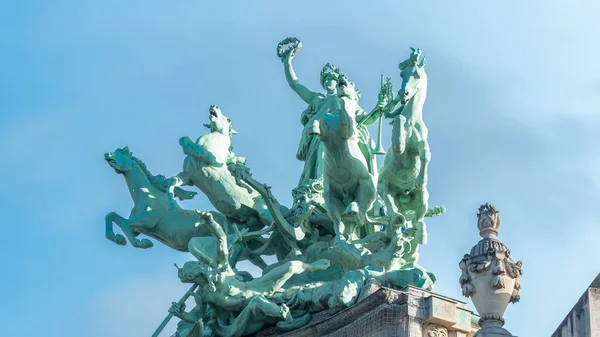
pixel 490 276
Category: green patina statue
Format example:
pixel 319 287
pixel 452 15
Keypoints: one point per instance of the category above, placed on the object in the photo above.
pixel 206 168
pixel 349 186
pixel 221 289
pixel 310 150
pixel 153 215
pixel 403 178
pixel 336 237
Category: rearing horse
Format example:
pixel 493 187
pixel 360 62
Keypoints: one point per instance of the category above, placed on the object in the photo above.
pixel 151 214
pixel 154 216
pixel 403 177
pixel 206 167
pixel 349 186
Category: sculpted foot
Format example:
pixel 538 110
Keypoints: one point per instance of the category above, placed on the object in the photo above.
pixel 144 244
pixel 120 240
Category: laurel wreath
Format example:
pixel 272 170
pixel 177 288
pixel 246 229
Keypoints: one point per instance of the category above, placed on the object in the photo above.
pixel 289 46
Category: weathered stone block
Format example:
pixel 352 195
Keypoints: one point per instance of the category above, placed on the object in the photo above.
pixel 386 312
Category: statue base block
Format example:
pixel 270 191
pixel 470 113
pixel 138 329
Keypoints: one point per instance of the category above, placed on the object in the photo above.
pixel 383 311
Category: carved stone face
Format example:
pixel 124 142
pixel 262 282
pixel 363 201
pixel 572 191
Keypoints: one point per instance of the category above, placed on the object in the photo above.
pixel 119 160
pixel 330 84
pixel 218 121
pixel 304 195
pixel 196 272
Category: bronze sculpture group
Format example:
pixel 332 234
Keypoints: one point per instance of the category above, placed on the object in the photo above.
pixel 348 222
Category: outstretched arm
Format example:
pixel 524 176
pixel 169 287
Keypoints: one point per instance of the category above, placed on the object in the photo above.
pixel 182 179
pixel 364 118
pixel 219 234
pixel 290 75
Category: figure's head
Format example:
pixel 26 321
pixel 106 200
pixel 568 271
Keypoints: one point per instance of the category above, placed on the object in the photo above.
pixel 197 272
pixel 345 88
pixel 218 122
pixel 412 72
pixel 329 77
pixel 120 160
pixel 306 196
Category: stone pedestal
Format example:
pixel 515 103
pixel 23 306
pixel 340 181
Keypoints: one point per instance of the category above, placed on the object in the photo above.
pixel 386 312
pixel 490 275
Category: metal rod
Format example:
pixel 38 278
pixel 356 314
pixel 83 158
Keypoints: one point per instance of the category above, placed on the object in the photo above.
pixel 170 315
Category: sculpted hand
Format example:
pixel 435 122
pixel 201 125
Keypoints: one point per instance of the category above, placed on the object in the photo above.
pixel 206 216
pixel 382 101
pixel 177 309
pixel 288 57
pixel 389 114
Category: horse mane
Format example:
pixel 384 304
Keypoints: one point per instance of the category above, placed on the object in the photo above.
pixel 159 182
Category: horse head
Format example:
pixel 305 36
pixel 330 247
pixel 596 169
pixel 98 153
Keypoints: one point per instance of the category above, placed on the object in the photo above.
pixel 219 122
pixel 120 160
pixel 346 88
pixel 412 72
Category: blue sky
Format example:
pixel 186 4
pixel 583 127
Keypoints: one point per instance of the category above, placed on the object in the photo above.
pixel 513 112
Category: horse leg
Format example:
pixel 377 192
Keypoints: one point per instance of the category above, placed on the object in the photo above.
pixel 387 193
pixel 335 207
pixel 425 156
pixel 419 205
pixel 399 133
pixel 138 224
pixel 347 118
pixel 366 197
pixel 111 218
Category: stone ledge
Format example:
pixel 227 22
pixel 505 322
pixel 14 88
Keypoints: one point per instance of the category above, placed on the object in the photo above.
pixel 389 312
